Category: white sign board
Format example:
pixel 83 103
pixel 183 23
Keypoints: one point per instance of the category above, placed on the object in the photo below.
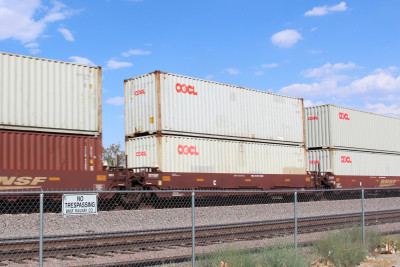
pixel 79 204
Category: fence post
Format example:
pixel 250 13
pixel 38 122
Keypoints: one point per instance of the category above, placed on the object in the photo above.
pixel 363 216
pixel 193 233
pixel 295 222
pixel 41 231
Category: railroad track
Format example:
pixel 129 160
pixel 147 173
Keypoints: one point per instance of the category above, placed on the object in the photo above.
pixel 17 250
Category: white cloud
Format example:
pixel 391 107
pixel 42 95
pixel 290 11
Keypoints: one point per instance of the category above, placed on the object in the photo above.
pixel 232 71
pixel 269 66
pixel 314 52
pixel 27 20
pixel 381 108
pixel 309 103
pixel 66 34
pixel 82 60
pixel 136 52
pixel 33 48
pixel 113 64
pixel 377 84
pixel 286 38
pixel 209 77
pixel 116 101
pixel 35 51
pixel 373 86
pixel 329 72
pixel 32 45
pixel 259 73
pixel 324 10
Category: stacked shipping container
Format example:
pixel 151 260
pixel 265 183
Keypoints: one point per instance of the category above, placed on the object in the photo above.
pixel 50 121
pixel 352 142
pixel 184 124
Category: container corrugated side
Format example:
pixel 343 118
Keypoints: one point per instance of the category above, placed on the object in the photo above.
pixel 347 162
pixel 175 104
pixel 46 95
pixel 36 151
pixel 206 155
pixel 330 126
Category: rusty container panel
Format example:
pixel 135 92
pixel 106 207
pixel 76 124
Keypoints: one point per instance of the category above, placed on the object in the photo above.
pixel 35 151
pixel 347 162
pixel 330 126
pixel 174 104
pixel 38 94
pixel 206 155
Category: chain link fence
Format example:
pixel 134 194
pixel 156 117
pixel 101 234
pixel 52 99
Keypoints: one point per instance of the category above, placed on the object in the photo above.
pixel 185 228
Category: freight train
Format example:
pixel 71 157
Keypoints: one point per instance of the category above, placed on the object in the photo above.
pixel 181 133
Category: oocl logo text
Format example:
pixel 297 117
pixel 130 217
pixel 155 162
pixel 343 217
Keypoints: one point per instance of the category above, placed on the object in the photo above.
pixel 141 154
pixel 312 118
pixel 344 116
pixel 185 89
pixel 345 159
pixel 139 92
pixel 187 150
pixel 314 162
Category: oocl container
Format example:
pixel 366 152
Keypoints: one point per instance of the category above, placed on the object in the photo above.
pixel 330 126
pixel 38 94
pixel 174 104
pixel 347 162
pixel 206 155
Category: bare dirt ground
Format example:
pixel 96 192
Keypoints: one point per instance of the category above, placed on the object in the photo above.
pixel 383 260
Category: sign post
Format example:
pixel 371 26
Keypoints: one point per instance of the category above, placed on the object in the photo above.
pixel 79 204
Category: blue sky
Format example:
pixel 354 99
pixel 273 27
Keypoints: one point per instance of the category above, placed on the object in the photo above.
pixel 339 52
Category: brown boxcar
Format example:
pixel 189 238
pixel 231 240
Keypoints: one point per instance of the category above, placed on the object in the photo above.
pixel 47 161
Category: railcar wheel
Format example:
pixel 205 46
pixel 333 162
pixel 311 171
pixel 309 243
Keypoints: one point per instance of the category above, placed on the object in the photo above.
pixel 132 199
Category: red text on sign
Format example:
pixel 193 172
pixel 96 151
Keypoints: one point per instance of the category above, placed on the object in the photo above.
pixel 344 116
pixel 140 153
pixel 345 159
pixel 312 118
pixel 139 92
pixel 187 150
pixel 314 162
pixel 185 89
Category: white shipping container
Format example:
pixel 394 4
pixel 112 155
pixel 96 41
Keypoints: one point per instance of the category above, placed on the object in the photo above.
pixel 347 162
pixel 175 104
pixel 38 94
pixel 205 155
pixel 330 126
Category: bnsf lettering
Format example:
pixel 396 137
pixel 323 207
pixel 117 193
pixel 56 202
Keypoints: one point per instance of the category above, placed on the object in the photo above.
pixel 23 180
pixel 139 92
pixel 140 153
pixel 183 88
pixel 314 162
pixel 344 116
pixel 187 150
pixel 345 159
pixel 313 118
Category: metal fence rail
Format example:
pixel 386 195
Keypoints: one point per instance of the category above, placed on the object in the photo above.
pixel 44 229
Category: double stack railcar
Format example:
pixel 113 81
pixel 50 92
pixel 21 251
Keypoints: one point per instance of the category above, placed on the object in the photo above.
pixel 50 125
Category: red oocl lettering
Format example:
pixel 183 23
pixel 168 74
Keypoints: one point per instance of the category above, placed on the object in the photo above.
pixel 139 92
pixel 140 153
pixel 185 89
pixel 344 116
pixel 187 150
pixel 314 162
pixel 312 118
pixel 345 159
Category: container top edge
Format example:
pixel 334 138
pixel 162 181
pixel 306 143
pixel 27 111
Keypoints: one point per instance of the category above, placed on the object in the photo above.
pixel 357 110
pixel 48 59
pixel 210 81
